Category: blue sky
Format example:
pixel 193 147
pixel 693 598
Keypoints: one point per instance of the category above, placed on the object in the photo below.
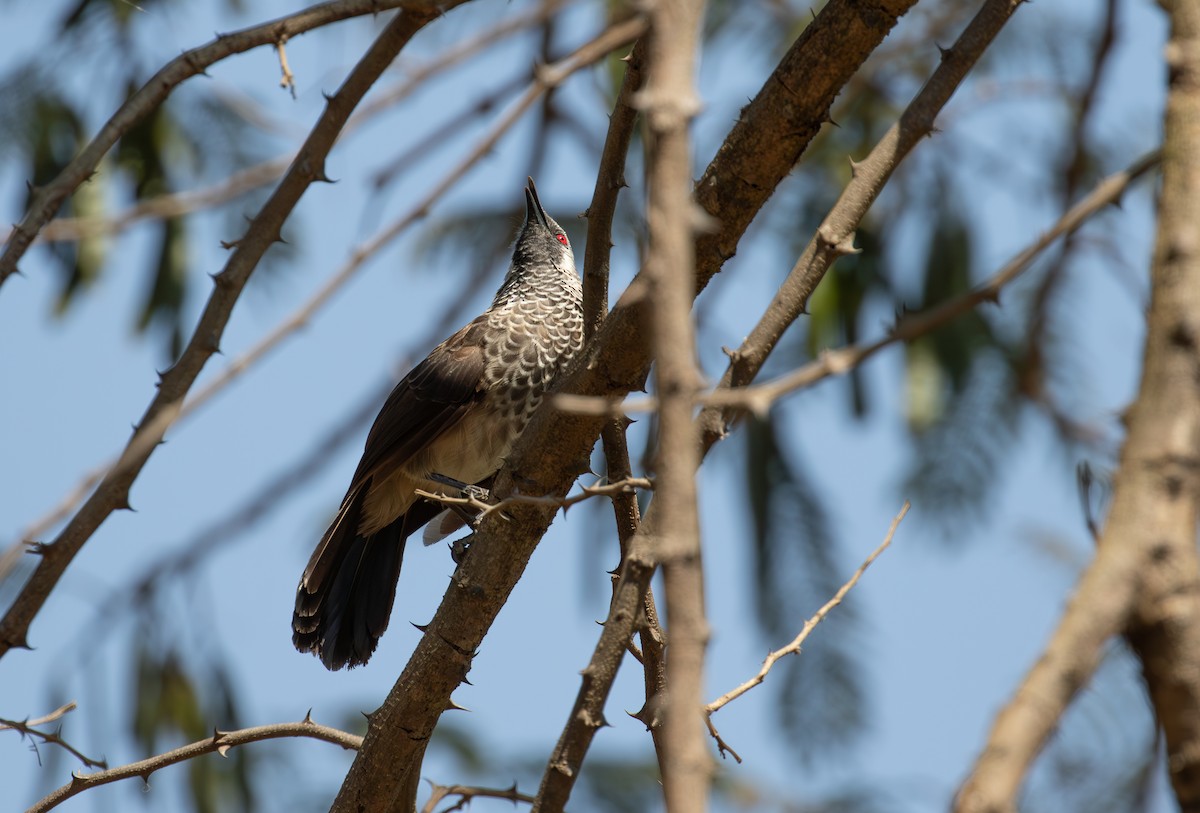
pixel 949 629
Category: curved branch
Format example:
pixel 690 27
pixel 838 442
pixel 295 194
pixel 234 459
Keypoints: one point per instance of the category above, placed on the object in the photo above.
pixel 28 728
pixel 47 199
pixel 113 491
pixel 219 742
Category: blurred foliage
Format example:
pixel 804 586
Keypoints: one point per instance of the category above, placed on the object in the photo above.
pixel 48 115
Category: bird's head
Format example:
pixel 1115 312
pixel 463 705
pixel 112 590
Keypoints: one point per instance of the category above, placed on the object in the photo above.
pixel 542 243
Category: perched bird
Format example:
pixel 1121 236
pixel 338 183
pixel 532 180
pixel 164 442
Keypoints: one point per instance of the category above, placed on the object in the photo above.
pixel 452 418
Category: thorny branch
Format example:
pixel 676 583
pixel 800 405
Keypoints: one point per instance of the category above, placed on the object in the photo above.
pixel 220 742
pixel 794 647
pixel 466 793
pixel 47 199
pixel 28 728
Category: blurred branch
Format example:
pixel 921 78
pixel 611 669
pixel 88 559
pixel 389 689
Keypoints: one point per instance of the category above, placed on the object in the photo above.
pixel 220 742
pixel 467 793
pixel 758 398
pixel 47 199
pixel 1165 425
pixel 1074 167
pixel 28 728
pixel 794 647
pixel 113 491
pixel 152 429
pixel 261 174
pixel 1145 577
pixel 757 155
pixel 669 103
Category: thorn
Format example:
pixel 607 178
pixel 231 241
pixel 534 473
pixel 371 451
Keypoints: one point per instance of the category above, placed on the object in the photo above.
pixel 855 167
pixel 221 280
pixel 227 245
pixel 307 717
pixel 464 680
pixel 420 627
pixel 327 96
pixel 217 734
pixel 946 53
pixel 213 345
pixel 36 548
pixel 122 504
pixel 452 706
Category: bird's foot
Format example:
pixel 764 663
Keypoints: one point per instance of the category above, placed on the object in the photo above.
pixel 459 548
pixel 467 490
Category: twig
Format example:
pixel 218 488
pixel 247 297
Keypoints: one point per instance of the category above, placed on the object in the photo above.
pixel 794 647
pixel 287 80
pixel 112 493
pixel 47 199
pixel 758 398
pixel 150 434
pixel 467 793
pixel 220 742
pixel 627 486
pixel 27 729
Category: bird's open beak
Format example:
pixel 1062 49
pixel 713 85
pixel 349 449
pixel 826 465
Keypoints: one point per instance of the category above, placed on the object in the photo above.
pixel 533 207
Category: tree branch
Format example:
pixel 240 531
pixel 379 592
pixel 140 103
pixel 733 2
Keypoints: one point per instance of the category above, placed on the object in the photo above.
pixel 220 742
pixel 113 491
pixel 1165 628
pixel 762 149
pixel 47 199
pixel 794 647
pixel 670 102
pixel 28 728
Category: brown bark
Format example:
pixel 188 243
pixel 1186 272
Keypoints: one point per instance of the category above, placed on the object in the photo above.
pixel 1165 629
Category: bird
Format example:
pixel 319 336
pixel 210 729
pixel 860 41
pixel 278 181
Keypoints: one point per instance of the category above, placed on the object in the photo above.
pixel 452 419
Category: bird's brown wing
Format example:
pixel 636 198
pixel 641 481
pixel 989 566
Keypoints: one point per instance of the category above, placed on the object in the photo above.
pixel 427 402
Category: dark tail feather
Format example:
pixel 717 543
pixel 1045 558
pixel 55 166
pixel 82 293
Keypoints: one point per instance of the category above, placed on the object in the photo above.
pixel 345 596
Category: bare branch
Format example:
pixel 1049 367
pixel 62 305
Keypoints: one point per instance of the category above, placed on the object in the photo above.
pixel 47 199
pixel 467 793
pixel 220 742
pixel 113 491
pixel 794 647
pixel 27 728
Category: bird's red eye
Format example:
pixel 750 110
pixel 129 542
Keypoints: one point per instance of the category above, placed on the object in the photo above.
pixel 562 238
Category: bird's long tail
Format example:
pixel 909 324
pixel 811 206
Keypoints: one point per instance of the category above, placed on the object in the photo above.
pixel 345 596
